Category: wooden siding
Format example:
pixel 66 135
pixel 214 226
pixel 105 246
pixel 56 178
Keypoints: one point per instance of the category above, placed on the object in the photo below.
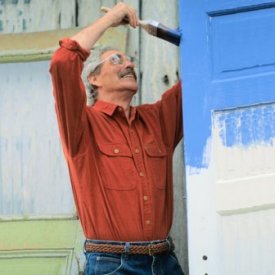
pixel 157 62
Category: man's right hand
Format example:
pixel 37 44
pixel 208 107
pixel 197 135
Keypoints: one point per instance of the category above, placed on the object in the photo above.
pixel 122 14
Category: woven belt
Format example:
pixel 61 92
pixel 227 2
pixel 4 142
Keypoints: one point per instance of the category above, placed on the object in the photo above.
pixel 148 249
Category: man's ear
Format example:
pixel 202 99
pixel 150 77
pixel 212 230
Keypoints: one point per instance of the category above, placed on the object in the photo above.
pixel 93 79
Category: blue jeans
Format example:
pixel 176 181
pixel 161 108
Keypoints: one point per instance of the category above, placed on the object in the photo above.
pixel 124 264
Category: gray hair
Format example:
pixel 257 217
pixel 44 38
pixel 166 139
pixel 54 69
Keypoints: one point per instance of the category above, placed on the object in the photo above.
pixel 92 67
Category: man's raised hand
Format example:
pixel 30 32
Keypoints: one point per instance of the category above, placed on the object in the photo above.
pixel 121 14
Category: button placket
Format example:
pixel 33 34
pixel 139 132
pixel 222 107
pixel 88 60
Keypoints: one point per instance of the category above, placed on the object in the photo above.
pixel 138 158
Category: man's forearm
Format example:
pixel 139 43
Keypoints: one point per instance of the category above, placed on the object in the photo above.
pixel 87 37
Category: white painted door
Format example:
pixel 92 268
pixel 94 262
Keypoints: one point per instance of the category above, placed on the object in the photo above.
pixel 228 74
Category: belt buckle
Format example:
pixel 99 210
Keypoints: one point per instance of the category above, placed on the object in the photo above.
pixel 150 250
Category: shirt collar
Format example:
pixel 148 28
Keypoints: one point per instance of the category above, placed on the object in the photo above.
pixel 105 107
pixel 109 108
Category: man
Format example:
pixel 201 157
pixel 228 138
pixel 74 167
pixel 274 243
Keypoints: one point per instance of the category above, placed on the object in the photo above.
pixel 119 156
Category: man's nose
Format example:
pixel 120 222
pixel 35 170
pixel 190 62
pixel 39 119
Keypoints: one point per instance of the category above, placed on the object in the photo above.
pixel 129 64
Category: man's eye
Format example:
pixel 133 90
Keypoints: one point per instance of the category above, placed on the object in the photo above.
pixel 116 59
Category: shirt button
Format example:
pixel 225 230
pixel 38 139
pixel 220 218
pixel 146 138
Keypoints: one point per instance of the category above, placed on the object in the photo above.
pixel 141 174
pixel 145 198
pixel 116 151
pixel 136 151
pixel 148 222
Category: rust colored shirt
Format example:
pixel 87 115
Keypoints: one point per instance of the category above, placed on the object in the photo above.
pixel 120 170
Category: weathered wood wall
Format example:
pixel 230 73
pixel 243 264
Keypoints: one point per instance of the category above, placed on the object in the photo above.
pixel 159 65
pixel 35 15
pixel 157 61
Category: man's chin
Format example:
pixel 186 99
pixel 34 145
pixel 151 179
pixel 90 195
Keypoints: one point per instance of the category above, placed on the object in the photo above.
pixel 133 87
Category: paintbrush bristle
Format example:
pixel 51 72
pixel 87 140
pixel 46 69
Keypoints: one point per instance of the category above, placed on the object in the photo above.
pixel 150 26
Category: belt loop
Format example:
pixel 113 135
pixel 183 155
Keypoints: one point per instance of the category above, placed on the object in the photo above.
pixel 84 247
pixel 169 241
pixel 127 248
pixel 150 250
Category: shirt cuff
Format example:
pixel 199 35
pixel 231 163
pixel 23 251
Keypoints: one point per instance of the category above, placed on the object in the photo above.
pixel 73 45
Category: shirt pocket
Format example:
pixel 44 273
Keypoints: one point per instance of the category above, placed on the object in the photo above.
pixel 117 164
pixel 157 162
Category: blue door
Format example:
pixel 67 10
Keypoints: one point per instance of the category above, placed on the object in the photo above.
pixel 228 75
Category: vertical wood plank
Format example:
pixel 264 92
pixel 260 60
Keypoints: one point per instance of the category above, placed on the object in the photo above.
pixel 159 61
pixel 159 58
pixel 179 228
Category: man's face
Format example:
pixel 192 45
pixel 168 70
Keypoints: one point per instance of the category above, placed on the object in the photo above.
pixel 117 73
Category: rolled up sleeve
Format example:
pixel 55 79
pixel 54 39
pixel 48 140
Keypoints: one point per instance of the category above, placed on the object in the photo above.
pixel 69 93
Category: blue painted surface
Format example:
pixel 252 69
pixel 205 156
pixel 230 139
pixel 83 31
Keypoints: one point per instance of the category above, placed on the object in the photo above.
pixel 247 125
pixel 227 61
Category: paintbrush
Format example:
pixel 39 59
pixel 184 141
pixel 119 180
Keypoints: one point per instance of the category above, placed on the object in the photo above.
pixel 156 29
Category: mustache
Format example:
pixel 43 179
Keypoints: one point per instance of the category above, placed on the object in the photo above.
pixel 128 71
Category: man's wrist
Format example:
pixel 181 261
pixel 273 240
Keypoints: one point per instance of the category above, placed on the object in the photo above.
pixel 105 22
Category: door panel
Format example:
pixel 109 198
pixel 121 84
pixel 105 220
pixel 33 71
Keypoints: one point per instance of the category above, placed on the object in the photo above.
pixel 228 73
pixel 33 175
pixel 49 246
pixel 39 232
